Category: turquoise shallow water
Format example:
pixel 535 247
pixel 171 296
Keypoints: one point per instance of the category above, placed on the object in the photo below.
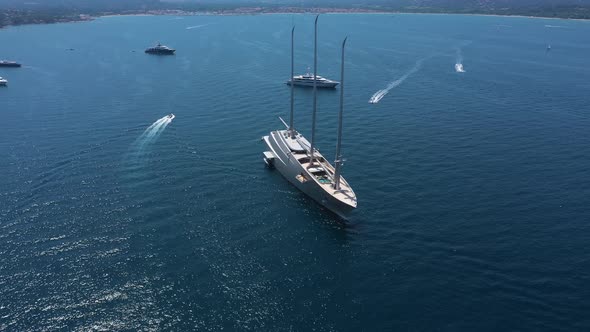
pixel 473 188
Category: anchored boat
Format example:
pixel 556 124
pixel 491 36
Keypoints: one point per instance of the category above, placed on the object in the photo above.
pixel 160 50
pixel 301 163
pixel 4 63
pixel 308 80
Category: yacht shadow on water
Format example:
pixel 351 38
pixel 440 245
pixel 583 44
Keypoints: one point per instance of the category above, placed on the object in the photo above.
pixel 315 211
pixel 322 216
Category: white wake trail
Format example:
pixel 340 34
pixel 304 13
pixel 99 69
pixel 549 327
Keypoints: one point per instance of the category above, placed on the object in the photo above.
pixel 151 127
pixel 377 96
pixel 459 61
pixel 137 154
pixel 161 125
pixel 161 129
pixel 153 131
pixel 196 26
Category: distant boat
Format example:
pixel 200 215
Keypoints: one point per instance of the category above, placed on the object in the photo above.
pixel 3 81
pixel 302 164
pixel 4 63
pixel 160 50
pixel 171 116
pixel 459 68
pixel 307 80
pixel 548 48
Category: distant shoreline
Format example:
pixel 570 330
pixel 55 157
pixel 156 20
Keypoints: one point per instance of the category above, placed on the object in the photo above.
pixel 335 12
pixel 242 11
pixel 326 11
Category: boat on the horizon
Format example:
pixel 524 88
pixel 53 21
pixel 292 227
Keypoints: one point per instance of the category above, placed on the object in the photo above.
pixel 160 50
pixel 308 80
pixel 3 81
pixel 302 164
pixel 5 63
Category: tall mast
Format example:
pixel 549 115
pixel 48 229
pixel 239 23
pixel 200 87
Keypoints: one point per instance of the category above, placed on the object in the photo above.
pixel 338 160
pixel 291 129
pixel 315 73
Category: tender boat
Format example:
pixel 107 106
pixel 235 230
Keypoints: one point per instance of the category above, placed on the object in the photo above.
pixel 459 68
pixel 307 80
pixel 302 164
pixel 377 96
pixel 4 63
pixel 171 116
pixel 3 81
pixel 160 50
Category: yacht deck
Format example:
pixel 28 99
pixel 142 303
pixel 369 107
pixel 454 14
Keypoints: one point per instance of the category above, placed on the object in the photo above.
pixel 321 170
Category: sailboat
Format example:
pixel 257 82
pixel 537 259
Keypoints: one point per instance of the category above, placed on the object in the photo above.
pixel 301 163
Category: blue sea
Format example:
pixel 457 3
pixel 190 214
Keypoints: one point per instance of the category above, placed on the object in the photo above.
pixel 473 188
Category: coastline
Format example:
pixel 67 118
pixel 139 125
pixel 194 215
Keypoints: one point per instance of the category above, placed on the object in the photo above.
pixel 353 11
pixel 338 12
pixel 271 11
pixel 515 16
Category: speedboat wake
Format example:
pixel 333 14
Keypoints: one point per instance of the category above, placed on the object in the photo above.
pixel 377 96
pixel 153 131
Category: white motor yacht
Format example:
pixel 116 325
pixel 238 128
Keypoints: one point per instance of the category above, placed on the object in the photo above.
pixel 3 81
pixel 307 80
pixel 160 49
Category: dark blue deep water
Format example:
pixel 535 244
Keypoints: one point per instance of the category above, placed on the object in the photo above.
pixel 473 188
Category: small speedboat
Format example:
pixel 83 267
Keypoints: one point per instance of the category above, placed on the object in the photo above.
pixel 3 81
pixel 459 68
pixel 170 116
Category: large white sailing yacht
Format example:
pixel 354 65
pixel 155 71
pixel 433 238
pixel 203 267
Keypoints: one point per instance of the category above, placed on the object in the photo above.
pixel 300 163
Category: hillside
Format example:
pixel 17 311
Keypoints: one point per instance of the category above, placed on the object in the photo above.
pixel 14 12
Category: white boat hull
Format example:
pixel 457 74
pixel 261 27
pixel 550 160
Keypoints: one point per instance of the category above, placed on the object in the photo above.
pixel 292 170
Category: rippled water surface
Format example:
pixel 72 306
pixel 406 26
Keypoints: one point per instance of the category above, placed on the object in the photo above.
pixel 473 188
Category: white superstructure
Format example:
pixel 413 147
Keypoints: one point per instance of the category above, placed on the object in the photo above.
pixel 307 80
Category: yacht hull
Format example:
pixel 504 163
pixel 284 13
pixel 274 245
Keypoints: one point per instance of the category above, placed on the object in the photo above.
pixel 291 169
pixel 327 85
pixel 10 64
pixel 171 52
